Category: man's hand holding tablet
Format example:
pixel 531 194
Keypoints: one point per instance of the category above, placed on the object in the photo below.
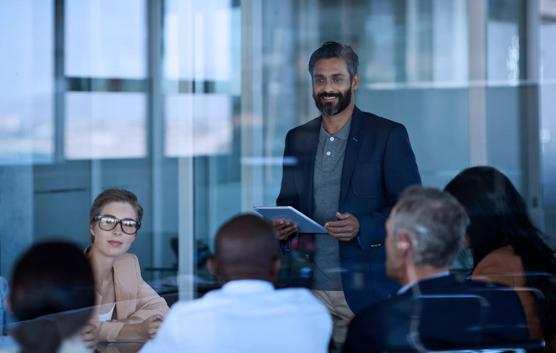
pixel 287 221
pixel 284 228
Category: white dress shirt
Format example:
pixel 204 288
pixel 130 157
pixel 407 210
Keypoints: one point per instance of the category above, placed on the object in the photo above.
pixel 245 316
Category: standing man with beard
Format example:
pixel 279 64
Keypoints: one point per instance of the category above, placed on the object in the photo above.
pixel 349 168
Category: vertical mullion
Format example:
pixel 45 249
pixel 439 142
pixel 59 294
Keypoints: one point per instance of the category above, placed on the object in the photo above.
pixel 530 26
pixel 155 123
pixel 477 53
pixel 186 180
pixel 59 80
pixel 251 101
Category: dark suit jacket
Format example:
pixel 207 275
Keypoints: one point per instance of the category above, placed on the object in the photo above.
pixel 378 165
pixel 441 313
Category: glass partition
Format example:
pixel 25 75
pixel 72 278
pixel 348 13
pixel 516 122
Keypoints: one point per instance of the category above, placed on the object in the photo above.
pixel 189 106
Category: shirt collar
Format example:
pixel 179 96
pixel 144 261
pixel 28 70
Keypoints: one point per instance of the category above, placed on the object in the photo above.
pixel 342 134
pixel 406 288
pixel 247 286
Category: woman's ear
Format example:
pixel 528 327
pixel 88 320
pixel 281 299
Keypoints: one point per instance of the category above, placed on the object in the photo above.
pixel 91 232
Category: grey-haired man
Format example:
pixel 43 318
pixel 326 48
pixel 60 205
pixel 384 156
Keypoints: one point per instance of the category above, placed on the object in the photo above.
pixel 433 311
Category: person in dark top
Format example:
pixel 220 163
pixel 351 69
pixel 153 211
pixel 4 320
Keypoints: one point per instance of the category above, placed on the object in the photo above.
pixel 507 248
pixel 345 169
pixel 52 296
pixel 432 310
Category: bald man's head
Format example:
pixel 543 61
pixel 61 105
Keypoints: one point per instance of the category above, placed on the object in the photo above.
pixel 245 248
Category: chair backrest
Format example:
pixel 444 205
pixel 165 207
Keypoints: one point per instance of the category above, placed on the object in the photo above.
pixel 542 287
pixel 481 325
pixel 433 326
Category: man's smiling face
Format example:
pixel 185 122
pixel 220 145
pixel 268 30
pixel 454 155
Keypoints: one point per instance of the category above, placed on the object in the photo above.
pixel 332 86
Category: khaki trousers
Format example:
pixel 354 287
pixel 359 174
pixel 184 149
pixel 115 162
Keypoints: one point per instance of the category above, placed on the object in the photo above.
pixel 336 303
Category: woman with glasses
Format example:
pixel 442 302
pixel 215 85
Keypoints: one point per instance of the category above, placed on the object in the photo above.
pixel 128 308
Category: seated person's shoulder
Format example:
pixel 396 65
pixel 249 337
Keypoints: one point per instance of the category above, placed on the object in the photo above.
pixel 192 306
pixel 211 303
pixel 498 296
pixel 499 262
pixel 297 294
pixel 474 284
pixel 128 259
pixel 300 297
pixel 381 122
pixel 396 307
pixel 127 263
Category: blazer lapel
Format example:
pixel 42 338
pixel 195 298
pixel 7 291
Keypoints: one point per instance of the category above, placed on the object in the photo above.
pixel 351 153
pixel 121 287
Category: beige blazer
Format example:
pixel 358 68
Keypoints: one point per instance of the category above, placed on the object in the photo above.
pixel 135 299
pixel 504 267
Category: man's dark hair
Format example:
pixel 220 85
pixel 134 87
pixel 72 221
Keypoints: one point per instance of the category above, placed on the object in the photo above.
pixel 330 50
pixel 245 248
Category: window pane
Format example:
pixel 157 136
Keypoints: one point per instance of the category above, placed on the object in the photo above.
pixel 26 87
pixel 105 125
pixel 548 110
pixel 198 40
pixel 105 38
pixel 210 116
pixel 505 20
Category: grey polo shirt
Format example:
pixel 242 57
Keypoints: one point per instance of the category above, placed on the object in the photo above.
pixel 327 177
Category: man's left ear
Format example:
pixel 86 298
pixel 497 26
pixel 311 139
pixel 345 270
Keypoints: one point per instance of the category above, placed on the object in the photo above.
pixel 404 244
pixel 355 81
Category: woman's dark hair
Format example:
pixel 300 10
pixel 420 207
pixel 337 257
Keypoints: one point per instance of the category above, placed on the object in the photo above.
pixel 114 195
pixel 52 294
pixel 499 218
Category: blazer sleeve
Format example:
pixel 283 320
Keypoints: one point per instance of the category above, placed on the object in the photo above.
pixel 148 301
pixel 288 193
pixel 144 302
pixel 108 331
pixel 399 171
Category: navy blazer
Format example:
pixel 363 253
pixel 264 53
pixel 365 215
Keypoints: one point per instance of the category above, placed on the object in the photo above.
pixel 378 165
pixel 441 314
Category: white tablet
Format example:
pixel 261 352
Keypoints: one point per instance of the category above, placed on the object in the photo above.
pixel 304 223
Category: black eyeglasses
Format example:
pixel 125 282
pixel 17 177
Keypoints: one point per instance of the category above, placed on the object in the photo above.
pixel 129 226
